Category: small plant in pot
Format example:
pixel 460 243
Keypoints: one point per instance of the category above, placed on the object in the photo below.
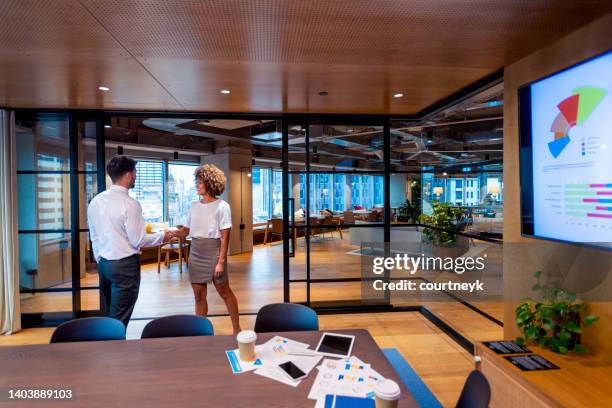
pixel 554 323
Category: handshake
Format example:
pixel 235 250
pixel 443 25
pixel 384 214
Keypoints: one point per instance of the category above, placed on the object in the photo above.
pixel 169 235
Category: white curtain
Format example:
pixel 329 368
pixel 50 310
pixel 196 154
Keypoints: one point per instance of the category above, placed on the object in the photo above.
pixel 10 317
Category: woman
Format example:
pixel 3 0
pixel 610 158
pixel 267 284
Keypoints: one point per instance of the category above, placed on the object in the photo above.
pixel 209 223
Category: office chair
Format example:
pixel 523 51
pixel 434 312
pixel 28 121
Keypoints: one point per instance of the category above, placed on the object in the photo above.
pixel 476 391
pixel 285 317
pixel 178 326
pixel 89 329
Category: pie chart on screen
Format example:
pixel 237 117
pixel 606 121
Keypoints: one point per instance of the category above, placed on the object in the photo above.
pixel 573 111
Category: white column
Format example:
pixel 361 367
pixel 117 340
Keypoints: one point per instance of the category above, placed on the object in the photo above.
pixel 236 164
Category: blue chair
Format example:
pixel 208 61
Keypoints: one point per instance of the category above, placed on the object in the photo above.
pixel 89 329
pixel 476 392
pixel 178 326
pixel 285 317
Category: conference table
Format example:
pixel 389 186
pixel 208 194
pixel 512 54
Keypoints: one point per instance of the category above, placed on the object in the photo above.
pixel 165 372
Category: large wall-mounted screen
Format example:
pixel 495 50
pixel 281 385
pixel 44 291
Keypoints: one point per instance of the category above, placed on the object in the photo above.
pixel 566 154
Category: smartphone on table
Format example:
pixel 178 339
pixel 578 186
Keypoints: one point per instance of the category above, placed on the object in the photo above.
pixel 292 371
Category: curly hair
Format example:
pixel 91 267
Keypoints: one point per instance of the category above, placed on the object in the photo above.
pixel 212 177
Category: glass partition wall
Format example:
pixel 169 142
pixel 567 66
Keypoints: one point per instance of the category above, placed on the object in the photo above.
pixel 58 173
pixel 336 184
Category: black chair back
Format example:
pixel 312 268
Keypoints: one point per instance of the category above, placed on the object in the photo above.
pixel 286 317
pixel 89 329
pixel 476 392
pixel 178 326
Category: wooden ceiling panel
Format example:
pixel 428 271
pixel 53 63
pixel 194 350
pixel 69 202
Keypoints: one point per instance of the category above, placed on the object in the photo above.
pixel 55 54
pixel 466 33
pixel 70 81
pixel 274 55
pixel 268 87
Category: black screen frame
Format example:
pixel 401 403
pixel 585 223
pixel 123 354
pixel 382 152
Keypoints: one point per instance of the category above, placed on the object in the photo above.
pixel 526 159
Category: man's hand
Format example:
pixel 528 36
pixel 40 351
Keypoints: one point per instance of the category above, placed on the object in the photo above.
pixel 219 269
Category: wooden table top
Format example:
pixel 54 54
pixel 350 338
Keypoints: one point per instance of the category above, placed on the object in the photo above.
pixel 177 372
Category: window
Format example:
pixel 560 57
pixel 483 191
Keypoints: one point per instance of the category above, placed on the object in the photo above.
pixel 149 189
pixel 379 191
pixel 50 195
pixel 482 189
pixel 339 187
pixel 326 192
pixel 181 192
pixel 320 190
pixel 260 195
pixel 367 191
pixel 267 194
pixel 277 193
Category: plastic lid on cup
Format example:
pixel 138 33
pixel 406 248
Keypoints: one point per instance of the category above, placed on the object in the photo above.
pixel 246 336
pixel 387 390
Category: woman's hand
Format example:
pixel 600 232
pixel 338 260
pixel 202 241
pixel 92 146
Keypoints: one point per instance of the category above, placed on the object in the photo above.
pixel 181 232
pixel 219 269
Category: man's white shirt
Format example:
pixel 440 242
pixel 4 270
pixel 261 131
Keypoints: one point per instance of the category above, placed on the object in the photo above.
pixel 116 225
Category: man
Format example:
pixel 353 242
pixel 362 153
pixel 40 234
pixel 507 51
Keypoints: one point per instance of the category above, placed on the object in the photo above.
pixel 117 232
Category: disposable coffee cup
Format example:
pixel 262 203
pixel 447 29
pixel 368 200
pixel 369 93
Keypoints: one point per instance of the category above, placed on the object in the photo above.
pixel 386 394
pixel 246 344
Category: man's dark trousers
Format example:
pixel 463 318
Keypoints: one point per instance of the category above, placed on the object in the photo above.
pixel 119 285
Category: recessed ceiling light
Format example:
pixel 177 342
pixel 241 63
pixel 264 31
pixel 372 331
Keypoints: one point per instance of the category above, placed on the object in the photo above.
pixel 398 95
pixel 103 88
pixel 323 93
pixel 444 174
pixel 225 91
pixel 107 126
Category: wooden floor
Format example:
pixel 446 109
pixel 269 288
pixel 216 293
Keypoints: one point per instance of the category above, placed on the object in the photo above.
pixel 256 278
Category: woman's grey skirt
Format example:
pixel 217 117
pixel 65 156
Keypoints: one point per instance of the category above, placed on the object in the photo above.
pixel 203 257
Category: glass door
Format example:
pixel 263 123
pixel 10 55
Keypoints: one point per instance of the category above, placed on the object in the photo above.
pixel 337 189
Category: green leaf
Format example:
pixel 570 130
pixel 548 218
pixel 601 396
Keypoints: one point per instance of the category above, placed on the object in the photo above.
pixel 530 333
pixel 520 341
pixel 562 349
pixel 576 308
pixel 536 287
pixel 548 324
pixel 579 348
pixel 563 335
pixel 537 274
pixel 590 319
pixel 573 327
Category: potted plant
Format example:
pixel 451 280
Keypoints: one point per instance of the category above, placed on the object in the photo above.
pixel 444 217
pixel 408 212
pixel 554 323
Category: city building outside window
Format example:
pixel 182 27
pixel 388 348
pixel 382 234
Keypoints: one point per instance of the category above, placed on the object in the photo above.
pixel 181 192
pixel 149 189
